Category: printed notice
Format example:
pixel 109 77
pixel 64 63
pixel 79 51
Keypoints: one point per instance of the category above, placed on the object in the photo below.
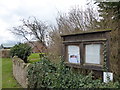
pixel 74 54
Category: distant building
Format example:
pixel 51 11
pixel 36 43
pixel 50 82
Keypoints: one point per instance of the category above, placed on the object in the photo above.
pixel 37 47
pixel 0 47
pixel 6 46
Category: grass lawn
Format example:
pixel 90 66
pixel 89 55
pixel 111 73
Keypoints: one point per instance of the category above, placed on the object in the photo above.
pixel 8 80
pixel 34 57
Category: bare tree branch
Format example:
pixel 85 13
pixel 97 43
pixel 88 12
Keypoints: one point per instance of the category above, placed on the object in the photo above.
pixel 34 28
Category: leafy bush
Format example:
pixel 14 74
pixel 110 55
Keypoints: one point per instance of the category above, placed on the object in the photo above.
pixel 45 74
pixel 22 51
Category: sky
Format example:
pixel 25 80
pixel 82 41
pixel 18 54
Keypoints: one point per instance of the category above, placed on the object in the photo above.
pixel 12 11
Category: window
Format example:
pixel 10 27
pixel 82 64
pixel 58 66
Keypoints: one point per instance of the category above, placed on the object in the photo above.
pixel 73 54
pixel 92 53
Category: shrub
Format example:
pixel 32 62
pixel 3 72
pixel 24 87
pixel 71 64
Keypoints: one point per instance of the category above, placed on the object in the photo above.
pixel 21 50
pixel 45 74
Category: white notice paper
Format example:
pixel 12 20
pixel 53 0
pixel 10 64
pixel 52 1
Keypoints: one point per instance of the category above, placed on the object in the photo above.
pixel 107 76
pixel 92 53
pixel 74 54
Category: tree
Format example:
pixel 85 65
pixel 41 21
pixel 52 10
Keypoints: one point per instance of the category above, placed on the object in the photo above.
pixel 22 51
pixel 33 28
pixel 110 13
pixel 106 6
pixel 75 21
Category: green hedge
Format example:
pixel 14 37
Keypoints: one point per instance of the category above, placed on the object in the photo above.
pixel 22 51
pixel 45 74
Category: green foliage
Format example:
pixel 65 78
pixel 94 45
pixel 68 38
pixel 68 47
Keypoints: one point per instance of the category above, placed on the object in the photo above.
pixel 105 67
pixel 22 51
pixel 106 6
pixel 110 13
pixel 45 74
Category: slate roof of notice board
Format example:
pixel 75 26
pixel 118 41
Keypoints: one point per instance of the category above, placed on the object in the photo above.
pixel 86 32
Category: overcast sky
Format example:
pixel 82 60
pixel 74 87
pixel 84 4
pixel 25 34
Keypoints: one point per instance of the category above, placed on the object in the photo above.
pixel 11 11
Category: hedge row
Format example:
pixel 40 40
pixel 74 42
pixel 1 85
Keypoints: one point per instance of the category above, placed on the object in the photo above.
pixel 45 74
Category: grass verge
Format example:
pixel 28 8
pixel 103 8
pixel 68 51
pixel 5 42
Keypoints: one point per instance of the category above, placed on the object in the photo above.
pixel 34 57
pixel 8 80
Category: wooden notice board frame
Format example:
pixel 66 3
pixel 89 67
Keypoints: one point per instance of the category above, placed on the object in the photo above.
pixel 82 39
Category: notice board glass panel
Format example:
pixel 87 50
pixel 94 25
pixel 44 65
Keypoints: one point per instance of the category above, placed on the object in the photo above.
pixel 92 53
pixel 73 54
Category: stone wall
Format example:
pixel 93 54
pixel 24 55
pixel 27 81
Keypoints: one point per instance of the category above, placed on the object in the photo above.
pixel 4 53
pixel 20 71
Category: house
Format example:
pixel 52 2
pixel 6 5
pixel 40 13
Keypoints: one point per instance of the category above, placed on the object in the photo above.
pixel 5 50
pixel 37 47
pixel 1 47
pixel 6 46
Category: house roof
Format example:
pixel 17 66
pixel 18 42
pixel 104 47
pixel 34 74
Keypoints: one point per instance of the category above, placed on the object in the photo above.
pixel 7 45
